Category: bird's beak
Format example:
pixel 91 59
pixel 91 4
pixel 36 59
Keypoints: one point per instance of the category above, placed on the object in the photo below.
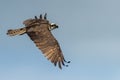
pixel 56 26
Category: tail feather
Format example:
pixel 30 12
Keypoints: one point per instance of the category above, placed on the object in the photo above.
pixel 14 32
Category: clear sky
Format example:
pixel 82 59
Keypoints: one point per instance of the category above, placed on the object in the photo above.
pixel 88 33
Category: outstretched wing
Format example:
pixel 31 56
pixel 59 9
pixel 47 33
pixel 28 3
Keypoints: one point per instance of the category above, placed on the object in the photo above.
pixel 49 46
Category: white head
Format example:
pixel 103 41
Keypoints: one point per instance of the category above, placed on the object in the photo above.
pixel 53 26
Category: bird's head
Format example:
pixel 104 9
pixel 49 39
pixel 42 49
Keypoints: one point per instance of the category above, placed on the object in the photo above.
pixel 53 26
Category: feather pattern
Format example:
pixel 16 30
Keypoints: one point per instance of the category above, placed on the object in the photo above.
pixel 16 31
pixel 49 46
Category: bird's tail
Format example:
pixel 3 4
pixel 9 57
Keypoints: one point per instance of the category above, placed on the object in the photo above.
pixel 14 32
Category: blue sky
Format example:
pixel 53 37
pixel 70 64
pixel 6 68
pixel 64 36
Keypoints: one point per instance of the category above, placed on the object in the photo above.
pixel 88 33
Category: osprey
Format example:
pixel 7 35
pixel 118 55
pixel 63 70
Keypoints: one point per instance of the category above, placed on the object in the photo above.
pixel 39 31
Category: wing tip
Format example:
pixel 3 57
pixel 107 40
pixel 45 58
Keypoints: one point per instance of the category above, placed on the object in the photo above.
pixel 61 63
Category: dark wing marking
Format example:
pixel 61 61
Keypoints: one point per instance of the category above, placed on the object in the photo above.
pixel 49 46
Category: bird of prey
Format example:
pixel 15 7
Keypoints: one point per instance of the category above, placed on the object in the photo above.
pixel 39 31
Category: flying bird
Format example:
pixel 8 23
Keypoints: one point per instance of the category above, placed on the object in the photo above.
pixel 39 31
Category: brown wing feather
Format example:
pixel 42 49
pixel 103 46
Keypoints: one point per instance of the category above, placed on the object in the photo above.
pixel 49 46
